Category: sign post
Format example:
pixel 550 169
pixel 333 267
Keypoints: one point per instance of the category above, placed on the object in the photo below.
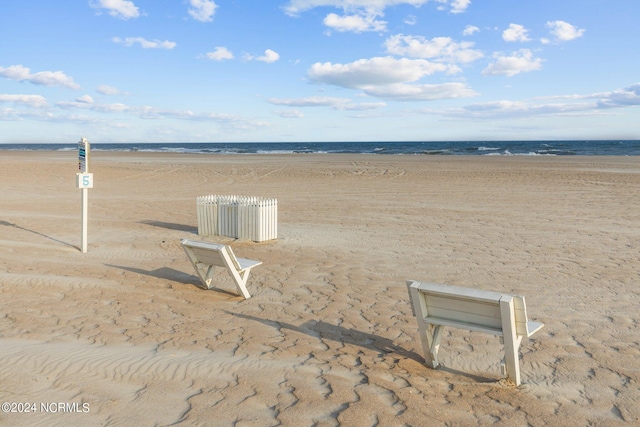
pixel 84 181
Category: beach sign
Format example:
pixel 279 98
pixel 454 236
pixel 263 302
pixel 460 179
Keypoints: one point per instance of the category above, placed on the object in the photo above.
pixel 84 181
pixel 83 155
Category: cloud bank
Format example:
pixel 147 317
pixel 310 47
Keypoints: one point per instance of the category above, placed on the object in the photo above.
pixel 144 43
pixel 44 78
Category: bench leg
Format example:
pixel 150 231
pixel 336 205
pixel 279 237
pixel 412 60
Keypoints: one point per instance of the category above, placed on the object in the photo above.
pixel 430 339
pixel 208 277
pixel 204 271
pixel 429 334
pixel 511 341
pixel 433 334
pixel 205 274
pixel 240 279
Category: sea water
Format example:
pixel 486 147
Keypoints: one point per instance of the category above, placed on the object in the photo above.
pixel 474 148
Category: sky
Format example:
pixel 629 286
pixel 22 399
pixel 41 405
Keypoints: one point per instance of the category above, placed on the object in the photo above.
pixel 137 71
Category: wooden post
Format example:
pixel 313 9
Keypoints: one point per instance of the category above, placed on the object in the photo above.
pixel 84 181
pixel 85 221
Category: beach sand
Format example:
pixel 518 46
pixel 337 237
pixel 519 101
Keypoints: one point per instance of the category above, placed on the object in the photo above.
pixel 328 337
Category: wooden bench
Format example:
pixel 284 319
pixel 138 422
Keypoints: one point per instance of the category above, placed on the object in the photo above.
pixel 206 256
pixel 436 306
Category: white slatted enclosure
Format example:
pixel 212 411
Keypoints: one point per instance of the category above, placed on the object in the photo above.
pixel 240 217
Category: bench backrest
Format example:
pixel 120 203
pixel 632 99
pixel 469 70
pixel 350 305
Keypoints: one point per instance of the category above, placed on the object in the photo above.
pixel 473 309
pixel 213 254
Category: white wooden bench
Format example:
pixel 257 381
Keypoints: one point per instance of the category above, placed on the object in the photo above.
pixel 206 256
pixel 436 306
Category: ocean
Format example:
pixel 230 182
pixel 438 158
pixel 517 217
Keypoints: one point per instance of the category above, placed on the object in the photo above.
pixel 471 148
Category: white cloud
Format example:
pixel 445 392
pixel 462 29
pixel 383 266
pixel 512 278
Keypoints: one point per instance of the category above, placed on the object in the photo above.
pixel 46 115
pixel 441 49
pixel 83 103
pixel 362 106
pixel 13 114
pixel 368 7
pixel 295 7
pixel 34 101
pixel 362 15
pixel 459 6
pixel 144 43
pixel 563 31
pixel 108 90
pixel 627 97
pixel 567 105
pixel 355 23
pixel 289 114
pixel 510 110
pixel 228 121
pixel 202 10
pixel 374 71
pixel 470 30
pixel 85 99
pixel 389 78
pixel 268 57
pixel 312 101
pixel 410 20
pixel 123 9
pixel 420 92
pixel 519 62
pixel 327 101
pixel 116 107
pixel 494 107
pixel 43 78
pixel 515 33
pixel 92 112
pixel 504 109
pixel 219 54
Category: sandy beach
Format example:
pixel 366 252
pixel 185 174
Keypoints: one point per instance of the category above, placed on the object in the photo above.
pixel 124 336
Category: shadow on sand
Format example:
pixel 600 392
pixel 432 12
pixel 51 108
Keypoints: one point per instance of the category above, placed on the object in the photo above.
pixel 326 331
pixel 171 226
pixel 9 224
pixel 171 274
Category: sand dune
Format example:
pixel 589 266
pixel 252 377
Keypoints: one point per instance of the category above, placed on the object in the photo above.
pixel 328 337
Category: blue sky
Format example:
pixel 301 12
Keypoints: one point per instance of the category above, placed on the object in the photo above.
pixel 318 70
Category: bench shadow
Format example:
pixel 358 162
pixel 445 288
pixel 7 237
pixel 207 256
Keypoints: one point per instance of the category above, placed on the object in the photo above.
pixel 323 330
pixel 326 331
pixel 171 226
pixel 473 377
pixel 160 273
pixel 9 224
pixel 170 274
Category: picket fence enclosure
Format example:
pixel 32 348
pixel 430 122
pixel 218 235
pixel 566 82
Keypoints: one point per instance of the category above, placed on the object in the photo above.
pixel 240 217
